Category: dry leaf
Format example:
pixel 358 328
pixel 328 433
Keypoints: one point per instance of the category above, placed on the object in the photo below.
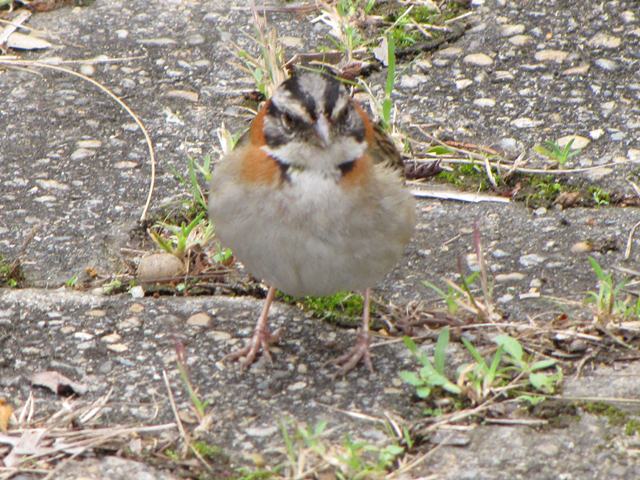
pixel 20 41
pixel 5 414
pixel 58 383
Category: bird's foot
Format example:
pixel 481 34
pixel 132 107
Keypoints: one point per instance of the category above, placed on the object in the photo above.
pixel 358 353
pixel 261 339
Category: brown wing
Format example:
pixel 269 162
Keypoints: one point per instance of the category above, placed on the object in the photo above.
pixel 384 151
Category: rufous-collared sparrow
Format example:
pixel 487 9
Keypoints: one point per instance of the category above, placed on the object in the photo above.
pixel 309 203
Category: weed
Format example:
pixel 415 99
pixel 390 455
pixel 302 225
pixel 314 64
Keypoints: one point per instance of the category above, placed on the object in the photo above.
pixel 72 282
pixel 307 449
pixel 461 296
pixel 113 286
pixel 609 301
pixel 184 237
pixel 478 379
pixel 453 296
pixel 199 407
pixel 553 151
pixel 343 18
pixel 267 68
pixel 599 196
pixel 431 375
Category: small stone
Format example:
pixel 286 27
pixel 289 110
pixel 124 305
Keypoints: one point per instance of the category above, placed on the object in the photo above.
pixel 478 59
pixel 122 34
pixel 136 292
pixel 535 283
pixel 520 40
pixel 117 347
pixel 578 141
pixel 199 320
pixel 297 386
pixel 82 153
pixel 412 81
pixel 540 211
pixel 129 323
pixel 507 297
pixel 52 185
pixel 463 83
pixel 577 346
pixel 604 40
pixel 111 338
pixel 579 70
pixel 83 336
pixel 218 335
pixel 125 165
pixel 87 69
pixel 551 56
pixel 596 134
pixel 628 16
pixel 449 52
pixel 261 431
pixel 159 267
pixel 195 39
pixel 91 143
pixel 136 308
pixel 157 42
pixel 581 247
pixel 510 29
pixel 509 145
pixel 549 449
pixel 525 122
pixel 509 277
pixel 96 313
pixel 46 199
pixel 531 260
pixel 472 262
pixel 484 102
pixel 187 95
pixel 291 42
pixel 606 64
pixel 504 75
pixel 633 154
pixel 497 253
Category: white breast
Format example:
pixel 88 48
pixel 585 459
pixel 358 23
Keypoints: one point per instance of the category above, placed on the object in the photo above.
pixel 313 237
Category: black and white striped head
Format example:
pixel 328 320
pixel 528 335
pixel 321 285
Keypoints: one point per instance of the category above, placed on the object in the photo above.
pixel 311 122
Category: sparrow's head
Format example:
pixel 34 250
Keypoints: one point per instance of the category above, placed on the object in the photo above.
pixel 312 122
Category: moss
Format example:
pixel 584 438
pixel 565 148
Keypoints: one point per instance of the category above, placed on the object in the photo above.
pixel 616 416
pixel 343 308
pixel 10 273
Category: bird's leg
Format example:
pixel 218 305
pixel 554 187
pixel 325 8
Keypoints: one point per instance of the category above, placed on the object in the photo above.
pixel 360 351
pixel 261 338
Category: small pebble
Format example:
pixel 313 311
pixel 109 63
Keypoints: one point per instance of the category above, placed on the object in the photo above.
pixel 531 260
pixel 478 59
pixel 604 40
pixel 557 56
pixel 200 319
pixel 581 247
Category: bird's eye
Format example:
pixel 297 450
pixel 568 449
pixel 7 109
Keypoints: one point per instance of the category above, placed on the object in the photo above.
pixel 288 122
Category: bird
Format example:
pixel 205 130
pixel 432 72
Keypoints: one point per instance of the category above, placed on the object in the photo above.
pixel 311 202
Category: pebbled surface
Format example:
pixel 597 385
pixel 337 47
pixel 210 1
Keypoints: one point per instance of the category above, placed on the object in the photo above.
pixel 74 167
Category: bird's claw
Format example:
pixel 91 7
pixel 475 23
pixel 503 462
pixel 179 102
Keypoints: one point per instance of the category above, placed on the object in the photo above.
pixel 358 353
pixel 261 339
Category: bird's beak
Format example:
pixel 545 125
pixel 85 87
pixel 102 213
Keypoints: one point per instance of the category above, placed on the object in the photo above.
pixel 322 130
